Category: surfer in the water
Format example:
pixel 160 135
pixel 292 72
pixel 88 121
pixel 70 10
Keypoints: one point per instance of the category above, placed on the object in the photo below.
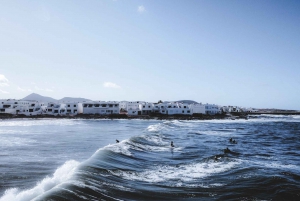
pixel 232 141
pixel 227 150
pixel 216 158
pixel 172 145
pixel 117 141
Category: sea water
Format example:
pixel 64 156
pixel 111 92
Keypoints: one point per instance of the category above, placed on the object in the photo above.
pixel 62 159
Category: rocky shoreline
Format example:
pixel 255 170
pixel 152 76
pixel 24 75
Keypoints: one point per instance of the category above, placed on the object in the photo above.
pixel 153 116
pixel 124 116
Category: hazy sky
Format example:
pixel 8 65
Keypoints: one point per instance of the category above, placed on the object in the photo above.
pixel 244 53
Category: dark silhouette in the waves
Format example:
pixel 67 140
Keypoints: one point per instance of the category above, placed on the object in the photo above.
pixel 172 145
pixel 227 151
pixel 216 158
pixel 117 141
pixel 232 141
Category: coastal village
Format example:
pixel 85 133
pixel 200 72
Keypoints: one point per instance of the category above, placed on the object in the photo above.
pixel 104 108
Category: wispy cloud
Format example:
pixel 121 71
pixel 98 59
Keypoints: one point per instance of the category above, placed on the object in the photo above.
pixel 3 81
pixel 111 85
pixel 141 9
pixel 24 90
pixel 42 89
pixel 4 92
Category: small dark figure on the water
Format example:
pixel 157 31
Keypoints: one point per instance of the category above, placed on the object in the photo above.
pixel 172 145
pixel 232 141
pixel 227 150
pixel 216 158
pixel 117 141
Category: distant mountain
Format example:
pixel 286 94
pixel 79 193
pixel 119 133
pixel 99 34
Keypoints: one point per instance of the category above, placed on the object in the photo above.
pixel 40 98
pixel 187 101
pixel 70 99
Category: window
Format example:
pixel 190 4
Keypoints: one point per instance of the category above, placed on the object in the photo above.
pixel 55 111
pixel 68 105
pixel 49 110
pixel 188 111
pixel 30 110
pixel 74 105
pixel 116 105
pixel 84 105
pixel 182 111
pixel 68 110
pixel 75 111
pixel 103 105
pixel 149 106
pixel 110 105
pixel 184 107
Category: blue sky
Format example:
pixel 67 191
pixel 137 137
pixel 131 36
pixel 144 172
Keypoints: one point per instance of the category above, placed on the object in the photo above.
pixel 244 53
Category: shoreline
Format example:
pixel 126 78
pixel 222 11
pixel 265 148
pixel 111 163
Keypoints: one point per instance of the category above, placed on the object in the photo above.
pixel 145 117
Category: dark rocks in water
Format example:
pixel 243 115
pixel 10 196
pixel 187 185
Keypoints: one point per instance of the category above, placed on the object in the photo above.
pixel 117 141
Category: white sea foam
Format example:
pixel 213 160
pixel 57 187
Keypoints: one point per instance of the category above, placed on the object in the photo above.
pixel 121 147
pixel 277 165
pixel 178 174
pixel 60 176
pixel 15 141
pixel 39 122
pixel 155 127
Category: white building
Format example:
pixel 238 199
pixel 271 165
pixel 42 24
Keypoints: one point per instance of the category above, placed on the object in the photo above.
pixel 12 106
pixel 234 109
pixel 145 108
pixel 101 107
pixel 32 109
pixel 9 106
pixel 74 108
pixel 131 107
pixel 198 108
pixel 212 109
pixel 173 108
pixel 56 109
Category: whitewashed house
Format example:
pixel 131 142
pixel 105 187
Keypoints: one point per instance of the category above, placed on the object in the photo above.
pixel 32 108
pixel 9 106
pixel 198 108
pixel 234 109
pixel 74 108
pixel 173 108
pixel 146 108
pixel 12 106
pixel 101 107
pixel 131 107
pixel 212 109
pixel 56 109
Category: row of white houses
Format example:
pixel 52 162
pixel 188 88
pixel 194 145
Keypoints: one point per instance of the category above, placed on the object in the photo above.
pixel 131 108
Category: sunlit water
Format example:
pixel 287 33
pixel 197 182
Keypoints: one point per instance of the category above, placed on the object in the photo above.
pixel 59 159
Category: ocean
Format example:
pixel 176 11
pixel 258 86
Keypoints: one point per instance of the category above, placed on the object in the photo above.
pixel 77 159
